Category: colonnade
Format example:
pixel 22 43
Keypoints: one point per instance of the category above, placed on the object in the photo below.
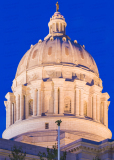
pixel 57 27
pixel 20 102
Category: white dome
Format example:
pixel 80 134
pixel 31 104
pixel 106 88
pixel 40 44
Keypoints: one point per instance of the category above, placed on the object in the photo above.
pixel 57 50
pixel 57 79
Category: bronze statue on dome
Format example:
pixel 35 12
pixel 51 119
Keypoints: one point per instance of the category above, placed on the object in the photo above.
pixel 57 7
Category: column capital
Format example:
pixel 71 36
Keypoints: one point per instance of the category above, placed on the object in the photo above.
pixel 95 89
pixel 58 82
pixel 104 96
pixel 10 96
pixel 6 104
pixel 79 84
pixel 37 83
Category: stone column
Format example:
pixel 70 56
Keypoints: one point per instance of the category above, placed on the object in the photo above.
pixel 94 107
pixel 10 113
pixel 17 107
pixel 105 114
pixel 61 102
pixel 98 108
pixel 81 104
pixel 21 107
pixel 34 102
pixel 39 103
pixel 77 102
pixel 55 100
pixel 7 116
pixel 14 112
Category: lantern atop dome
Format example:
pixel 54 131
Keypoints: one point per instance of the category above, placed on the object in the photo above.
pixel 57 24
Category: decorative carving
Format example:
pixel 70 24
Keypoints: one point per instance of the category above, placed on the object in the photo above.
pixel 32 77
pixel 20 82
pixel 82 77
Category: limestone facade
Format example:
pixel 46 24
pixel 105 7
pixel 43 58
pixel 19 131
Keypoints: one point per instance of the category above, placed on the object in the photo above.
pixel 56 79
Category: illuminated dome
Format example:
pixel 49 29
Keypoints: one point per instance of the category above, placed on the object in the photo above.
pixel 56 79
pixel 57 49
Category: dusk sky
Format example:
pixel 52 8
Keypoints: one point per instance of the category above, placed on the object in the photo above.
pixel 22 23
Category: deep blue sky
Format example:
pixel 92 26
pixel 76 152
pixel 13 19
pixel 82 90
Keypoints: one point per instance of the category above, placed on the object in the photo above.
pixel 22 23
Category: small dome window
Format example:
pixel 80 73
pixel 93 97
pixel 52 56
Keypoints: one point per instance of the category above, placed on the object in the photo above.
pixel 82 55
pixel 34 54
pixel 50 51
pixel 67 51
pixel 31 107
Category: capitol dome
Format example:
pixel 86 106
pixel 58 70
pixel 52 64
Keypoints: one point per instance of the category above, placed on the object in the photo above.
pixel 56 79
pixel 57 49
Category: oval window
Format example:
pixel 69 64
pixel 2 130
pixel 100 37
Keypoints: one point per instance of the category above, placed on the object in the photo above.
pixel 82 55
pixel 50 51
pixel 34 54
pixel 66 51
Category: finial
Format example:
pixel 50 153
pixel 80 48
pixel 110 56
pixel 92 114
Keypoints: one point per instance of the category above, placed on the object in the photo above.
pixel 57 7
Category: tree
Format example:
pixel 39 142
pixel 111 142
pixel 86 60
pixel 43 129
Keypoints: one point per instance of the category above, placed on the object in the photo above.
pixel 51 154
pixel 17 153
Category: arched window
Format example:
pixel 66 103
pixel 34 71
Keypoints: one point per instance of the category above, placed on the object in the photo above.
pixel 60 27
pixel 50 51
pixel 34 54
pixel 31 107
pixel 85 108
pixel 57 27
pixel 81 53
pixel 53 27
pixel 67 51
pixel 67 105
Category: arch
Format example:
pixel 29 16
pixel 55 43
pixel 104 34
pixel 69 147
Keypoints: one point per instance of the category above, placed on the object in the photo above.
pixel 67 105
pixel 50 51
pixel 67 51
pixel 34 54
pixel 57 27
pixel 60 27
pixel 31 107
pixel 82 55
pixel 85 108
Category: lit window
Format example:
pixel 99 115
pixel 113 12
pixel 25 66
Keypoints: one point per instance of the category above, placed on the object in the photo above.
pixel 66 51
pixel 30 107
pixel 50 51
pixel 82 56
pixel 46 125
pixel 67 105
